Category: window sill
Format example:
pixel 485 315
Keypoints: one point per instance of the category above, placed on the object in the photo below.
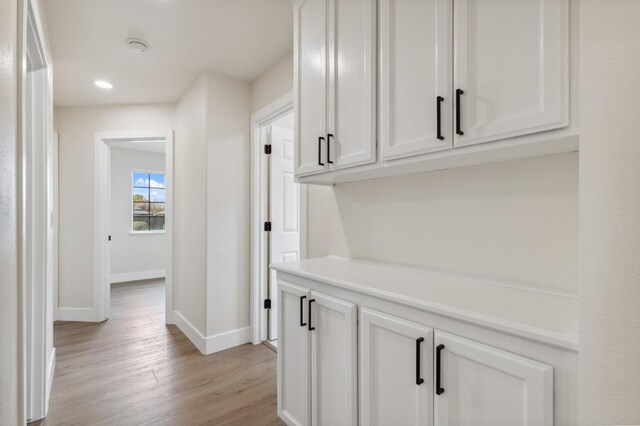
pixel 146 232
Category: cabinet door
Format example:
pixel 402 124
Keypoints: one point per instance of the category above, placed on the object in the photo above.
pixel 293 355
pixel 396 371
pixel 333 361
pixel 352 98
pixel 481 385
pixel 310 86
pixel 415 77
pixel 511 62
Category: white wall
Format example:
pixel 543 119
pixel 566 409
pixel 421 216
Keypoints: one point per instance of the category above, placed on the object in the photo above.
pixel 76 127
pixel 514 221
pixel 132 253
pixel 9 311
pixel 609 212
pixel 272 84
pixel 228 205
pixel 190 224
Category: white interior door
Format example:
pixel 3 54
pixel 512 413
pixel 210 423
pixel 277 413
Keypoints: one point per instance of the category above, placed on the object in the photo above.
pixel 396 371
pixel 293 355
pixel 333 361
pixel 511 62
pixel 310 85
pixel 485 386
pixel 285 212
pixel 415 77
pixel 351 137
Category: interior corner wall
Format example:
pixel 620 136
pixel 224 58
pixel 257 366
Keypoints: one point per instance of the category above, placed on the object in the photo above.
pixel 190 207
pixel 140 252
pixel 228 204
pixel 10 412
pixel 272 84
pixel 609 352
pixel 76 127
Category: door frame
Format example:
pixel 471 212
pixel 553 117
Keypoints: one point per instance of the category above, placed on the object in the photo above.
pixel 35 131
pixel 259 267
pixel 102 215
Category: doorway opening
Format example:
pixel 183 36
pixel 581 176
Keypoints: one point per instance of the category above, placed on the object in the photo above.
pixel 278 212
pixel 133 219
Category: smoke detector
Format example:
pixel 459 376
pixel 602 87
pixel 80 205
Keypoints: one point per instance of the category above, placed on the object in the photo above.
pixel 137 46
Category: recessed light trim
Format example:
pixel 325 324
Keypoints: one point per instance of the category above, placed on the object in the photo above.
pixel 103 84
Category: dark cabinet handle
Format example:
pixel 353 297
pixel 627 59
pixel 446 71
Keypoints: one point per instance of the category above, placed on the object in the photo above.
pixel 309 320
pixel 329 136
pixel 439 388
pixel 320 139
pixel 459 93
pixel 419 380
pixel 302 323
pixel 439 101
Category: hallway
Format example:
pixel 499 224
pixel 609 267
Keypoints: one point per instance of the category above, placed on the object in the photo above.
pixel 135 370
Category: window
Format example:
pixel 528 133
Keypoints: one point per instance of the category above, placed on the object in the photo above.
pixel 148 202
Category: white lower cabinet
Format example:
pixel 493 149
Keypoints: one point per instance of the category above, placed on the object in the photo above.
pixel 317 358
pixel 479 385
pixel 396 371
pixel 409 373
pixel 294 405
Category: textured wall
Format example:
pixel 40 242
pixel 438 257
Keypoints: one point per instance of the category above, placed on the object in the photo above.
pixel 609 212
pixel 9 390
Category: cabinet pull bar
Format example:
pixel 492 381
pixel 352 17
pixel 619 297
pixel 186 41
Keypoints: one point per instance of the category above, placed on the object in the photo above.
pixel 302 323
pixel 309 319
pixel 439 101
pixel 459 93
pixel 419 380
pixel 329 136
pixel 439 388
pixel 320 139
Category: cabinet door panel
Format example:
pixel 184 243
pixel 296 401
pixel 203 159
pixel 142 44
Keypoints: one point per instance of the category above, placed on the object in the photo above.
pixel 389 393
pixel 310 85
pixel 415 69
pixel 333 361
pixel 487 386
pixel 293 356
pixel 511 61
pixel 352 100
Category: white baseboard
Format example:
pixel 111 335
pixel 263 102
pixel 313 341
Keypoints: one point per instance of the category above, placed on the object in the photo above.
pixel 229 339
pixel 137 276
pixel 51 369
pixel 211 344
pixel 76 314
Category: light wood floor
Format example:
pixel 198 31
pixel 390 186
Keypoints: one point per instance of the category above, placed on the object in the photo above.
pixel 135 370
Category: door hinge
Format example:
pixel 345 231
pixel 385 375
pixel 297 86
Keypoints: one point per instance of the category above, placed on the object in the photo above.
pixel 267 303
pixel 109 237
pixel 267 226
pixel 267 149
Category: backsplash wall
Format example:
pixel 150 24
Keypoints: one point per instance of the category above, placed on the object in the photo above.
pixel 514 221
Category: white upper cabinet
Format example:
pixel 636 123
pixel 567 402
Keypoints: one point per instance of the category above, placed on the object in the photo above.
pixel 511 68
pixel 478 385
pixel 396 371
pixel 415 45
pixel 352 96
pixel 335 82
pixel 310 85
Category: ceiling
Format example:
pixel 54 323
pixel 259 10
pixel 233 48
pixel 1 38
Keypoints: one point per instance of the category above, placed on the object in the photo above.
pixel 155 146
pixel 88 40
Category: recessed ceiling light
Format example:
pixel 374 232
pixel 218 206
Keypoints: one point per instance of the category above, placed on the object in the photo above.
pixel 103 84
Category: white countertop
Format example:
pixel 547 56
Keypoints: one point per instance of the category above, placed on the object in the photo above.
pixel 537 313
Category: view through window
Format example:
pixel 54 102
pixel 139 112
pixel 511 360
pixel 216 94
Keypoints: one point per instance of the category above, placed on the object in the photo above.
pixel 148 201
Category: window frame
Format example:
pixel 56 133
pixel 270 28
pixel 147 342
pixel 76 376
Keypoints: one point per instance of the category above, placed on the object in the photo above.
pixel 133 188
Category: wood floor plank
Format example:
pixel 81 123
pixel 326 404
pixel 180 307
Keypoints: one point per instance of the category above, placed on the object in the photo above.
pixel 135 370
